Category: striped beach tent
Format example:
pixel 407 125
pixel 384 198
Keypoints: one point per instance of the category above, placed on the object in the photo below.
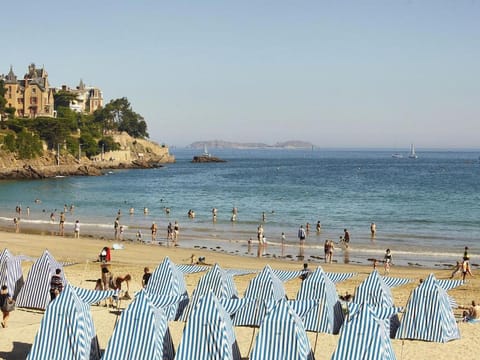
pixel 339 277
pixel 141 333
pixel 374 291
pixel 263 288
pixel 167 280
pixel 392 282
pixel 327 316
pixel 216 280
pixel 66 330
pixel 428 315
pixel 365 333
pixel 209 333
pixel 35 293
pixel 94 296
pixel 281 335
pixel 192 268
pixel 11 272
pixel 287 275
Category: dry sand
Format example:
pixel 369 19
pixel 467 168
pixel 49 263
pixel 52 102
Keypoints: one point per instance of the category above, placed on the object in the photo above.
pixel 16 340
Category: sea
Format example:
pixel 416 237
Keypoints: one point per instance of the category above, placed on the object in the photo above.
pixel 426 210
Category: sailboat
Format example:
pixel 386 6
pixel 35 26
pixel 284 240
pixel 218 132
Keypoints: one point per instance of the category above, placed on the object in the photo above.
pixel 412 154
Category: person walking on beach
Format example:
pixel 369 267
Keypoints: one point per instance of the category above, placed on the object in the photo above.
pixel 56 284
pixel 116 225
pixel 176 230
pixel 154 229
pixel 76 230
pixel 301 235
pixel 62 223
pixel 169 232
pixel 466 260
pixel 146 276
pixel 387 261
pixel 5 299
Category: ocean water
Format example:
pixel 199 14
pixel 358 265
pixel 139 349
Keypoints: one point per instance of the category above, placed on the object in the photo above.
pixel 426 210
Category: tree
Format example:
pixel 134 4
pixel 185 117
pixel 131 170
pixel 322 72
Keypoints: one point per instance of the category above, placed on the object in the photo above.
pixel 118 115
pixel 64 98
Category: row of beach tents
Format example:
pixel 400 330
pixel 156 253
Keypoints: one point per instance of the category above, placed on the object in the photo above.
pixel 366 324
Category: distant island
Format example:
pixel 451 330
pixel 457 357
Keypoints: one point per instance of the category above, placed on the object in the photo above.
pixel 220 144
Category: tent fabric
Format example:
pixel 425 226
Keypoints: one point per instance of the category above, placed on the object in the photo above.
pixel 374 291
pixel 168 280
pixel 94 296
pixel 282 336
pixel 11 272
pixel 327 316
pixel 141 333
pixel 192 269
pixel 365 333
pixel 339 277
pixel 209 333
pixel 263 288
pixel 240 272
pixel 35 293
pixel 286 275
pixel 449 284
pixel 216 280
pixel 392 282
pixel 428 315
pixel 66 330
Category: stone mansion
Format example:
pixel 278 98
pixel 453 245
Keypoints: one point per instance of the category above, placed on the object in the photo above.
pixel 33 96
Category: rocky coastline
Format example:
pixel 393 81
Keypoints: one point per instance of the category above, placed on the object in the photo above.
pixel 135 154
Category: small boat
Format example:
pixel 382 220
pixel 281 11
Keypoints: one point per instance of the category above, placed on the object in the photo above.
pixel 412 154
pixel 397 156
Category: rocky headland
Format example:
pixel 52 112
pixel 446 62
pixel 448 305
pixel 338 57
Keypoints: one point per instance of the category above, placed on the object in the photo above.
pixel 133 154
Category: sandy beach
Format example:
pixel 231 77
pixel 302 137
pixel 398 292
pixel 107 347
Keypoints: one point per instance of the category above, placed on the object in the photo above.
pixel 16 340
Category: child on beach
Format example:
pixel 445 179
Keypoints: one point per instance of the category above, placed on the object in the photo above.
pixel 76 230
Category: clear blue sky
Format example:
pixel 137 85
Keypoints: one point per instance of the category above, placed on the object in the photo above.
pixel 335 73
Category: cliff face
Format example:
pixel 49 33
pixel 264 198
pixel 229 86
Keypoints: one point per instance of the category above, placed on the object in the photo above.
pixel 134 153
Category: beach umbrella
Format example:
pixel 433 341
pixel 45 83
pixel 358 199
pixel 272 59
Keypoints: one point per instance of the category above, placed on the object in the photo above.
pixel 216 280
pixel 66 330
pixel 35 293
pixel 281 335
pixel 208 333
pixel 365 333
pixel 327 316
pixel 11 272
pixel 428 315
pixel 141 333
pixel 167 280
pixel 374 291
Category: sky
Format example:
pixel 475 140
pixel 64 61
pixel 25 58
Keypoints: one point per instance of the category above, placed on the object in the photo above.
pixel 374 74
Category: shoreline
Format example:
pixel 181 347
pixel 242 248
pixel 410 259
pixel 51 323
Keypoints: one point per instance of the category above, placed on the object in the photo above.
pixel 287 252
pixel 23 324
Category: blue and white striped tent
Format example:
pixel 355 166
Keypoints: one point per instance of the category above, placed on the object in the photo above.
pixel 167 280
pixel 263 288
pixel 281 335
pixel 339 277
pixel 35 293
pixel 428 315
pixel 327 316
pixel 365 333
pixel 374 291
pixel 192 268
pixel 216 280
pixel 94 296
pixel 141 333
pixel 11 272
pixel 66 330
pixel 209 333
pixel 287 275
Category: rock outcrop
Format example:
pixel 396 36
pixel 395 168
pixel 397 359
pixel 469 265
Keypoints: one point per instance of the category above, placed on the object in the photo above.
pixel 134 154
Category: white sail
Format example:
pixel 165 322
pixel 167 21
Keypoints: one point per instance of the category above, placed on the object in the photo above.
pixel 412 154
